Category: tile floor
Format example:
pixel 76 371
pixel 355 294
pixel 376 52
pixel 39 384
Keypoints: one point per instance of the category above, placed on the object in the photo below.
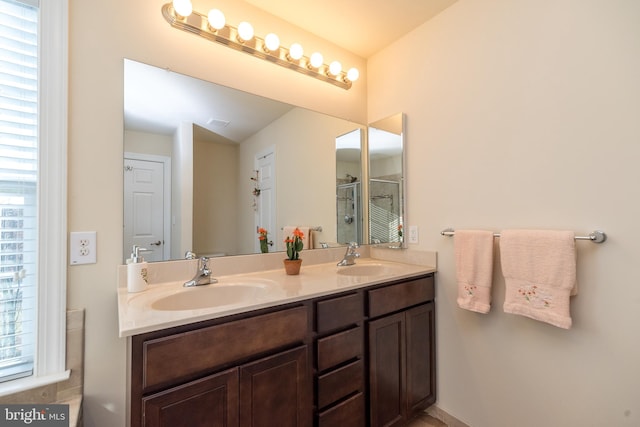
pixel 424 420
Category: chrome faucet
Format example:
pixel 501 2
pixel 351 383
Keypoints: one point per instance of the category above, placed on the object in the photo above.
pixel 203 275
pixel 351 255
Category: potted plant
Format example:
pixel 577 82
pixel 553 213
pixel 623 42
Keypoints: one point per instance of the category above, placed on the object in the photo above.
pixel 294 247
pixel 264 243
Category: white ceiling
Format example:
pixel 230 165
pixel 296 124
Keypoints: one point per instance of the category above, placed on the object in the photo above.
pixel 363 27
pixel 158 100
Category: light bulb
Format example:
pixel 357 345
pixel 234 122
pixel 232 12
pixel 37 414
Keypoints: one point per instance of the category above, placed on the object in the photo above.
pixel 335 67
pixel 272 42
pixel 245 31
pixel 316 59
pixel 183 7
pixel 216 19
pixel 353 74
pixel 295 51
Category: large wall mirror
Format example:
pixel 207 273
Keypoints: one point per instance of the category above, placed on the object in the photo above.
pixel 206 166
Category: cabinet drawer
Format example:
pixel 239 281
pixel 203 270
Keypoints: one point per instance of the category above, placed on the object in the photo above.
pixel 338 348
pixel 397 297
pixel 340 383
pixel 168 359
pixel 348 413
pixel 339 312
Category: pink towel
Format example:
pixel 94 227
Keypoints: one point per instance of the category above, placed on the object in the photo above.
pixel 474 269
pixel 539 268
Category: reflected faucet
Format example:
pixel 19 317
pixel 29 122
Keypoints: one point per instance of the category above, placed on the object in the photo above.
pixel 203 275
pixel 351 255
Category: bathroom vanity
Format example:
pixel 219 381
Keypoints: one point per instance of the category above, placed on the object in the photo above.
pixel 226 373
pixel 361 352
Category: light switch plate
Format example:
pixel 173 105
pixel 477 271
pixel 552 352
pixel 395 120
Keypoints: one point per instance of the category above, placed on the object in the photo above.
pixel 82 247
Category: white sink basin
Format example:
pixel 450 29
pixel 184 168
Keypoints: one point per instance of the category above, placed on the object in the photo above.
pixel 209 296
pixel 364 270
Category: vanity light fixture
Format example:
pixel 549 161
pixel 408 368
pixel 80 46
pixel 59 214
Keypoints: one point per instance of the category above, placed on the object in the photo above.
pixel 183 7
pixel 216 19
pixel 335 68
pixel 245 32
pixel 180 14
pixel 271 42
pixel 316 60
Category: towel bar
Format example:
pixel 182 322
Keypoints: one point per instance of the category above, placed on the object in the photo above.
pixel 595 236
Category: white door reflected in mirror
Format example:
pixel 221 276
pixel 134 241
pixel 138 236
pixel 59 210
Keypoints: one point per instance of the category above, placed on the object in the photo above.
pixel 144 194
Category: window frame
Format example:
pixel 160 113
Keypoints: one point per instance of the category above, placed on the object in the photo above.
pixel 50 352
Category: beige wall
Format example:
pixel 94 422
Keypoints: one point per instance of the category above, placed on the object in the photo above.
pixel 148 143
pixel 520 114
pixel 304 144
pixel 215 196
pixel 525 114
pixel 101 35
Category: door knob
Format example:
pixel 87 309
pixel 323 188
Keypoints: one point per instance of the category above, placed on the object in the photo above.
pixel 158 243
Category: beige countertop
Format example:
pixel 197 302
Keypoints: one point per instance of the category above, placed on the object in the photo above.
pixel 136 312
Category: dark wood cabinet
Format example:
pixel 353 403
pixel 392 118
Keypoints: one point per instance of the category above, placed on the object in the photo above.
pixel 401 365
pixel 420 358
pixel 350 412
pixel 339 361
pixel 246 370
pixel 387 370
pixel 375 354
pixel 210 401
pixel 276 388
pixel 252 395
pixel 355 359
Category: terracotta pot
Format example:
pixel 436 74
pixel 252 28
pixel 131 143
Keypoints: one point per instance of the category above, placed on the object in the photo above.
pixel 292 266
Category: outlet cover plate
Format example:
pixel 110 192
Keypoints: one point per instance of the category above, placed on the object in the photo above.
pixel 82 247
pixel 413 234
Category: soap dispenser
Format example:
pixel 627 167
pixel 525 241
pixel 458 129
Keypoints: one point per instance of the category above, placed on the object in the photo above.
pixel 137 271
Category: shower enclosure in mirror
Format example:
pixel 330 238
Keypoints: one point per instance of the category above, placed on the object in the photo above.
pixel 386 181
pixel 349 212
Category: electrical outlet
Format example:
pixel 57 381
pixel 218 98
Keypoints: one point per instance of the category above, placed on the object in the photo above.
pixel 82 247
pixel 413 234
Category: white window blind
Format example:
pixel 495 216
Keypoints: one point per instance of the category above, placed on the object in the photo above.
pixel 18 187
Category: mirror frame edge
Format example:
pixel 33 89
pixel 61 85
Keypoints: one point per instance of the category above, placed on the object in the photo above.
pixel 403 118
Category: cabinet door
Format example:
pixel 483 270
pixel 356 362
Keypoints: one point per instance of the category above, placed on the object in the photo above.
pixel 276 390
pixel 210 401
pixel 387 370
pixel 421 381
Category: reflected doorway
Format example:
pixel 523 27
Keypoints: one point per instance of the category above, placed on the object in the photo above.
pixel 146 189
pixel 265 201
